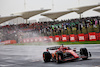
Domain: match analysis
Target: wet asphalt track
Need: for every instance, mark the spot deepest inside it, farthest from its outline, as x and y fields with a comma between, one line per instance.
x=31, y=56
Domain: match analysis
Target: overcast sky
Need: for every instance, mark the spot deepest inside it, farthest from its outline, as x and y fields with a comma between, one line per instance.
x=8, y=7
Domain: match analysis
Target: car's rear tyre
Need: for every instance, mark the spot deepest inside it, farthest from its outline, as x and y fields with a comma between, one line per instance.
x=59, y=57
x=46, y=56
x=83, y=51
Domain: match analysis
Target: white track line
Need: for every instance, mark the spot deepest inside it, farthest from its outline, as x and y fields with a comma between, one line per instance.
x=6, y=65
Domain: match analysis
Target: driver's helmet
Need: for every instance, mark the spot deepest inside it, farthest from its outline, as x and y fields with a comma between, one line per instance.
x=69, y=48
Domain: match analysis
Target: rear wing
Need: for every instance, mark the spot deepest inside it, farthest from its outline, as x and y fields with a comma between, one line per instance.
x=53, y=48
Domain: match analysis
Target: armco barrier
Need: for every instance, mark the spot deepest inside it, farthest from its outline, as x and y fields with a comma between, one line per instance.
x=9, y=42
x=13, y=41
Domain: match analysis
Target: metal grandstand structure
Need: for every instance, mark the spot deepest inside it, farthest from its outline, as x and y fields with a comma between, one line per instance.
x=54, y=15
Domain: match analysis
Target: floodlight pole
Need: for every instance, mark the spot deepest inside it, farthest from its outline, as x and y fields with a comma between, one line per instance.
x=17, y=21
x=26, y=21
x=80, y=16
x=79, y=23
x=79, y=27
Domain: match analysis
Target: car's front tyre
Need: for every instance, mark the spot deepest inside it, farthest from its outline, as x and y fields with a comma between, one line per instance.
x=46, y=56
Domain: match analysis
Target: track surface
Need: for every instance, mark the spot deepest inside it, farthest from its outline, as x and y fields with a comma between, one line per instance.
x=31, y=56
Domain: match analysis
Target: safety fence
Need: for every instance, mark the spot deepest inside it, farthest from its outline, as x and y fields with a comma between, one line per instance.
x=65, y=38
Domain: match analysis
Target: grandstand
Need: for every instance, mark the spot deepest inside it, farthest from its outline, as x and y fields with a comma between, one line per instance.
x=75, y=26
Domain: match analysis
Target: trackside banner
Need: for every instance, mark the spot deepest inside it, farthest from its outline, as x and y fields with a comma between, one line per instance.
x=92, y=36
x=81, y=37
x=57, y=38
x=64, y=38
x=72, y=38
x=51, y=38
x=37, y=39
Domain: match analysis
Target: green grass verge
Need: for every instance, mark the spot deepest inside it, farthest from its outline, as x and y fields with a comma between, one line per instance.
x=36, y=43
x=83, y=42
x=59, y=43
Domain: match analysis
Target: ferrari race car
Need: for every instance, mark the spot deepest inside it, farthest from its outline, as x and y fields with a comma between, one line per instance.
x=62, y=53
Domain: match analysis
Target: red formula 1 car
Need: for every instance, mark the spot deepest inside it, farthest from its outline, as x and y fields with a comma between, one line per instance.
x=62, y=53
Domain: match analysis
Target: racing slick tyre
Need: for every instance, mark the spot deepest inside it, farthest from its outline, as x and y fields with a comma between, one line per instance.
x=59, y=57
x=83, y=51
x=46, y=56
